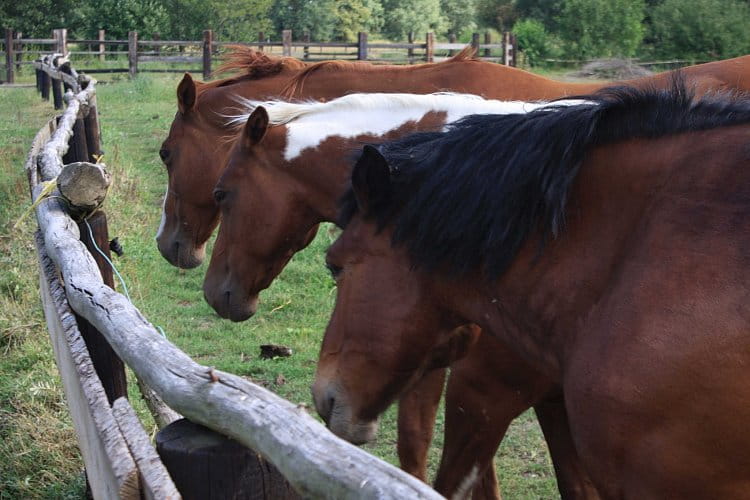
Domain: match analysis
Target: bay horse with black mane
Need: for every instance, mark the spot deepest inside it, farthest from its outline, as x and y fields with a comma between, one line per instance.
x=285, y=174
x=607, y=245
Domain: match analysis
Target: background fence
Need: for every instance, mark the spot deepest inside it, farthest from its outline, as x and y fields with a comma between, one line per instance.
x=92, y=328
x=198, y=55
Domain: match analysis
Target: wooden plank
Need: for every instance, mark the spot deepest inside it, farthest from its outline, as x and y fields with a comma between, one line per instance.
x=110, y=469
x=155, y=480
x=170, y=59
x=316, y=462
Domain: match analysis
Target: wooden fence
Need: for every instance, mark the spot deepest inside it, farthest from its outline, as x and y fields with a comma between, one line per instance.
x=200, y=54
x=92, y=327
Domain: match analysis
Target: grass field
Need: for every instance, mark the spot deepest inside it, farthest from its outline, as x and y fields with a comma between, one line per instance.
x=38, y=451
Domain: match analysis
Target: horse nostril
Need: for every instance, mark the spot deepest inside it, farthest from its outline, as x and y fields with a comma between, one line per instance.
x=164, y=155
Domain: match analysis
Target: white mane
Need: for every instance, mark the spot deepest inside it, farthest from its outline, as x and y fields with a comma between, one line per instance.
x=309, y=123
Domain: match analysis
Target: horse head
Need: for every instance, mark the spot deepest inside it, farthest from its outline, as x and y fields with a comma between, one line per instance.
x=387, y=328
x=254, y=242
x=193, y=160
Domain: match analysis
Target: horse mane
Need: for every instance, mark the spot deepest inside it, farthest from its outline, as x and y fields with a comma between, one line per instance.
x=252, y=65
x=281, y=112
x=468, y=198
x=296, y=83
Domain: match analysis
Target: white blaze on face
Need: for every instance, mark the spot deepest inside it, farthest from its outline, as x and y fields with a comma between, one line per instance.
x=163, y=215
x=309, y=124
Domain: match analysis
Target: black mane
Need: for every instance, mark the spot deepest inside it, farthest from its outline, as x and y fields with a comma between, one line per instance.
x=469, y=197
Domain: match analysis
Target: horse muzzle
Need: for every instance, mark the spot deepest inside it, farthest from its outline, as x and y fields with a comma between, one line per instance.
x=335, y=411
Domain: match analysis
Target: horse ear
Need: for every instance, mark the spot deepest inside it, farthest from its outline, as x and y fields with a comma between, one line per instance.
x=371, y=178
x=256, y=126
x=186, y=94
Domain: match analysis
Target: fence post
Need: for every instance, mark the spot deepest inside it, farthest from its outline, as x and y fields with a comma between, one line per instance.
x=475, y=43
x=19, y=50
x=61, y=35
x=509, y=49
x=430, y=47
x=101, y=45
x=206, y=465
x=410, y=51
x=45, y=85
x=451, y=39
x=286, y=40
x=261, y=39
x=57, y=94
x=362, y=46
x=208, y=38
x=133, y=53
x=157, y=48
x=487, y=41
x=9, y=55
x=306, y=48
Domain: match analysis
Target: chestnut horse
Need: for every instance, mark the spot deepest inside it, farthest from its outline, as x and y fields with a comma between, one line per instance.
x=297, y=161
x=194, y=151
x=606, y=245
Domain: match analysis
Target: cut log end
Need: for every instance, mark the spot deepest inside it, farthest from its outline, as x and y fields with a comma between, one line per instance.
x=84, y=185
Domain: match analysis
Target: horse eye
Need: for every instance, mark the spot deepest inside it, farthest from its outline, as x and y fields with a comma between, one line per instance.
x=164, y=155
x=333, y=269
x=219, y=195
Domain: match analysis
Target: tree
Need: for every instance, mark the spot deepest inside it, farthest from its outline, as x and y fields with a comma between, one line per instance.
x=419, y=16
x=597, y=28
x=328, y=19
x=120, y=16
x=37, y=18
x=460, y=16
x=499, y=14
x=533, y=40
x=700, y=30
x=544, y=11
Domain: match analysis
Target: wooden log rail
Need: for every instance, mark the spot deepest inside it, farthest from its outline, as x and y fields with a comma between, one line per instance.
x=317, y=463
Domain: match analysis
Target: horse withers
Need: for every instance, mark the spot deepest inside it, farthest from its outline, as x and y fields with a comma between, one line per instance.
x=606, y=245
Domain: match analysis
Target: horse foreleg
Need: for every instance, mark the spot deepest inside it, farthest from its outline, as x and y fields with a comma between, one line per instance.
x=572, y=480
x=416, y=420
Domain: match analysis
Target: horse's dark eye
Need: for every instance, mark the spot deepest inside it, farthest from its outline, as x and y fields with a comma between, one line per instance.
x=164, y=155
x=333, y=269
x=219, y=195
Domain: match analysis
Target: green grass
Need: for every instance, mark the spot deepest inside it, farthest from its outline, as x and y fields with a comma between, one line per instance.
x=38, y=453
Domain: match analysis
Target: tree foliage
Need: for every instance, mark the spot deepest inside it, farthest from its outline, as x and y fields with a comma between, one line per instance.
x=597, y=28
x=533, y=40
x=700, y=29
x=460, y=17
x=419, y=16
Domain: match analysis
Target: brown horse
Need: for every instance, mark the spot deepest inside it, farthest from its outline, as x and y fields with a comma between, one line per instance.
x=301, y=165
x=195, y=150
x=606, y=245
x=189, y=214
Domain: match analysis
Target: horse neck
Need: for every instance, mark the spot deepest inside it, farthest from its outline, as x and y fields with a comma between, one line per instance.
x=540, y=304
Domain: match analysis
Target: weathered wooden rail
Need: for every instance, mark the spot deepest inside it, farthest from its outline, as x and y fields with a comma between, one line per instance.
x=119, y=459
x=200, y=54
